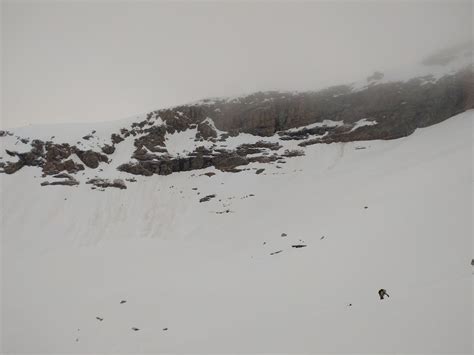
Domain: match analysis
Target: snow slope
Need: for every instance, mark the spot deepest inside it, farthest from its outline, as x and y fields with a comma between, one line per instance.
x=205, y=273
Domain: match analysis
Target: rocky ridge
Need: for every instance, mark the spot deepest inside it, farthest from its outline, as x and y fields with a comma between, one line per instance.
x=230, y=133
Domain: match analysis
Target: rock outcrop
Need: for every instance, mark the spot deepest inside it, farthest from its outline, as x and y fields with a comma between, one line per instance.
x=378, y=109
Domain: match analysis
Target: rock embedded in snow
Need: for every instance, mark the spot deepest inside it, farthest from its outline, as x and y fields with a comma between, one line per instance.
x=205, y=131
x=207, y=198
x=293, y=153
x=68, y=180
x=115, y=138
x=103, y=183
x=90, y=158
x=108, y=149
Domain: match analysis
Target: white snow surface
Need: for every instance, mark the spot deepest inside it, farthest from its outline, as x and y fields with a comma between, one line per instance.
x=363, y=123
x=324, y=123
x=71, y=254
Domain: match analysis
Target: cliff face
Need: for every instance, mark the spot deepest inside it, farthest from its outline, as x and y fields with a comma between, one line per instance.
x=269, y=126
x=402, y=106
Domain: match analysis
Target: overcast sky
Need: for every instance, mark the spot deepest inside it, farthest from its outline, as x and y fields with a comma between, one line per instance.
x=73, y=61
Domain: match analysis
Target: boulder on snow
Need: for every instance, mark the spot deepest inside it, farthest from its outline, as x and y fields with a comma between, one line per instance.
x=90, y=158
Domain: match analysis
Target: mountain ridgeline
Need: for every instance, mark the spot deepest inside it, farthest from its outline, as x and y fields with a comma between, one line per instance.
x=379, y=108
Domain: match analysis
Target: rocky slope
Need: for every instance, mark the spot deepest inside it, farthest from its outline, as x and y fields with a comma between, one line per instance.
x=270, y=243
x=211, y=262
x=264, y=127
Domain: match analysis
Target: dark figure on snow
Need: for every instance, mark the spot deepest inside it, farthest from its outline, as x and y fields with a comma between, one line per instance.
x=383, y=293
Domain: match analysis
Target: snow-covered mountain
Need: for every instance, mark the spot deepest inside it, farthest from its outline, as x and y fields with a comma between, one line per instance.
x=265, y=223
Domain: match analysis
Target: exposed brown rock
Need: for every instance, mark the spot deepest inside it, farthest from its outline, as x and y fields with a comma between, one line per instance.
x=68, y=180
x=115, y=138
x=104, y=183
x=90, y=158
x=154, y=140
x=293, y=153
x=108, y=149
x=205, y=131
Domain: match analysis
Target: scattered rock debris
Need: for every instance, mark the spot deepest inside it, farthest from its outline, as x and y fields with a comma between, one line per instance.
x=209, y=174
x=259, y=171
x=103, y=183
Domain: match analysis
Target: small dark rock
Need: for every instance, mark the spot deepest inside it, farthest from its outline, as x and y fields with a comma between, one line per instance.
x=276, y=252
x=108, y=149
x=207, y=198
x=293, y=153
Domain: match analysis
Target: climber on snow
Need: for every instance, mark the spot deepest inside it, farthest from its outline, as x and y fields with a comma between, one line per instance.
x=383, y=293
